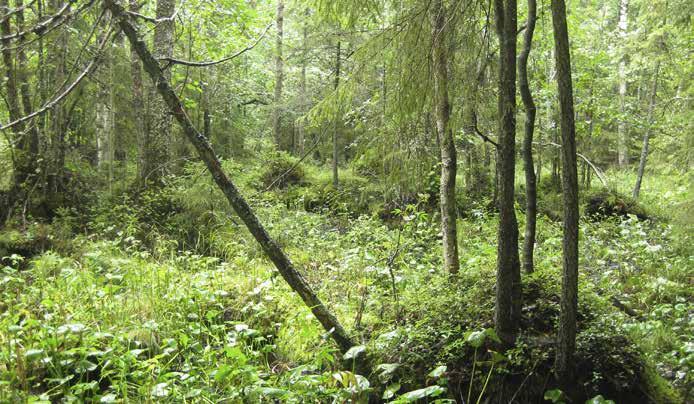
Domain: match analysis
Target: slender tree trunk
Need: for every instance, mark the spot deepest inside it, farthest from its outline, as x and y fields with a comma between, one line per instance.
x=647, y=134
x=529, y=167
x=622, y=130
x=159, y=129
x=32, y=144
x=120, y=126
x=104, y=112
x=57, y=120
x=508, y=287
x=279, y=79
x=138, y=104
x=301, y=136
x=566, y=344
x=22, y=163
x=243, y=210
x=336, y=180
x=442, y=111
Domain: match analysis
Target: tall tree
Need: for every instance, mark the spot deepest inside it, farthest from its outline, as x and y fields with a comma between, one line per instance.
x=528, y=166
x=303, y=98
x=338, y=58
x=279, y=78
x=566, y=344
x=104, y=111
x=158, y=132
x=508, y=287
x=138, y=104
x=622, y=129
x=442, y=110
x=32, y=142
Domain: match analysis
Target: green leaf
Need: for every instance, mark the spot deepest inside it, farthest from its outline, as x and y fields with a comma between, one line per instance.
x=354, y=351
x=599, y=400
x=554, y=395
x=476, y=338
x=32, y=354
x=390, y=391
x=438, y=372
x=160, y=390
x=387, y=370
x=222, y=373
x=412, y=396
x=108, y=398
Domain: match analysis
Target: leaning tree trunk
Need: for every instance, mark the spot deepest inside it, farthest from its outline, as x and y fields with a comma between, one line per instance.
x=447, y=145
x=566, y=344
x=285, y=267
x=528, y=166
x=647, y=134
x=508, y=287
x=622, y=130
x=279, y=79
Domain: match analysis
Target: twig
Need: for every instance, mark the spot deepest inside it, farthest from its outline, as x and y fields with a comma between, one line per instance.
x=152, y=19
x=68, y=90
x=485, y=137
x=14, y=11
x=40, y=27
x=598, y=172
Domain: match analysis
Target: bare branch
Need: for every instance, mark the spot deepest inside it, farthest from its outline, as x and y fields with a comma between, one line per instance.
x=485, y=137
x=172, y=61
x=152, y=19
x=598, y=172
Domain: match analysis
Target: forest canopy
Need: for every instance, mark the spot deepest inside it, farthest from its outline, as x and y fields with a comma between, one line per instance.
x=346, y=201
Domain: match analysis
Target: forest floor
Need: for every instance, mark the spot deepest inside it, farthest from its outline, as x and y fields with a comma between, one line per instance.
x=164, y=296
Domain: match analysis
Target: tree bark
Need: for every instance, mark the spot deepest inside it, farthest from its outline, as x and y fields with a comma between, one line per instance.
x=156, y=153
x=301, y=136
x=138, y=104
x=622, y=130
x=32, y=143
x=508, y=287
x=442, y=111
x=528, y=165
x=243, y=210
x=104, y=112
x=21, y=170
x=566, y=344
x=336, y=179
x=647, y=134
x=279, y=79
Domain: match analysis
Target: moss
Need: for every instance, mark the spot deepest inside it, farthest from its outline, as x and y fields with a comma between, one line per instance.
x=608, y=203
x=657, y=388
x=24, y=243
x=282, y=170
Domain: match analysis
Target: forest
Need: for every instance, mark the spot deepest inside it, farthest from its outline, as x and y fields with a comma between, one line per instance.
x=346, y=201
